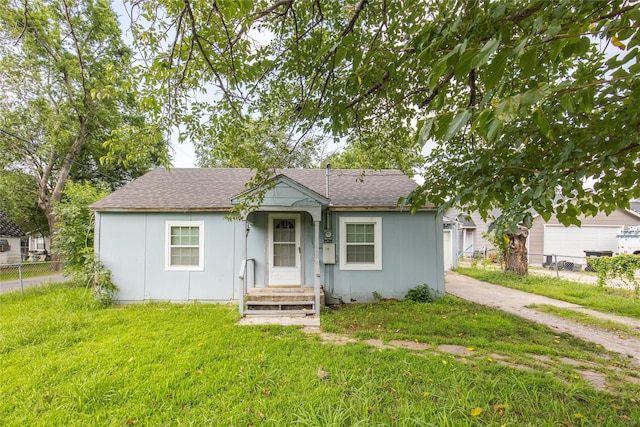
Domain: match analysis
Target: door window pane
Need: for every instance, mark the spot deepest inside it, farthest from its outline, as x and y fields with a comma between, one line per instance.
x=284, y=255
x=284, y=242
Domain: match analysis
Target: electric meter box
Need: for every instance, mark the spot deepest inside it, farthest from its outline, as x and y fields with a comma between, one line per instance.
x=329, y=253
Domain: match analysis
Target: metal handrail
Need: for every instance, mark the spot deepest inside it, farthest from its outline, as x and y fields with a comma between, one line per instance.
x=244, y=268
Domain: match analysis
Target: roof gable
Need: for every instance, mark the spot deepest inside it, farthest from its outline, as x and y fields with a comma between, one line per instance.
x=193, y=189
x=284, y=191
x=9, y=228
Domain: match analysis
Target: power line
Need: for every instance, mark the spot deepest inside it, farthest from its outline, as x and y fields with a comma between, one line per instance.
x=14, y=136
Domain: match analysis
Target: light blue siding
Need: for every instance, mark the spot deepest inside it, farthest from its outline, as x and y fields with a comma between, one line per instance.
x=285, y=195
x=411, y=256
x=132, y=246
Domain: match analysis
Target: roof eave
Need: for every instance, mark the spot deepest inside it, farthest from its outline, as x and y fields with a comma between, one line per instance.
x=162, y=209
x=379, y=208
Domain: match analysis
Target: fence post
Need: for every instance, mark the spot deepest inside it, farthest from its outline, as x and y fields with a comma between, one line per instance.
x=20, y=277
x=555, y=261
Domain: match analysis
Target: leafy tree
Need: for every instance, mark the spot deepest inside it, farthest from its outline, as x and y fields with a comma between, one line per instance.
x=19, y=200
x=254, y=142
x=517, y=100
x=378, y=150
x=68, y=98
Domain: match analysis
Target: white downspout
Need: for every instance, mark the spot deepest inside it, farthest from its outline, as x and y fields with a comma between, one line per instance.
x=316, y=266
x=243, y=267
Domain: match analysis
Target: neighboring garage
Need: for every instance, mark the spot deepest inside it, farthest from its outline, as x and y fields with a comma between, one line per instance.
x=596, y=234
x=573, y=241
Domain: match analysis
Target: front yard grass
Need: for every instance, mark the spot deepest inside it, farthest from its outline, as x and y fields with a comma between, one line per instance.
x=66, y=361
x=618, y=301
x=586, y=319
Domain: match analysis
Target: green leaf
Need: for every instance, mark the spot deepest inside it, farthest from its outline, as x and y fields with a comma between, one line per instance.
x=341, y=52
x=442, y=125
x=529, y=61
x=461, y=119
x=566, y=101
x=540, y=120
x=464, y=65
x=425, y=132
x=494, y=129
x=496, y=69
x=485, y=53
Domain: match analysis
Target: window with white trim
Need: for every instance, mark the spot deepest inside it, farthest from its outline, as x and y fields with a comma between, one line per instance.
x=184, y=243
x=361, y=243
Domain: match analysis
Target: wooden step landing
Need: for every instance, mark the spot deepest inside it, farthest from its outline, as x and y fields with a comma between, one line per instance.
x=281, y=302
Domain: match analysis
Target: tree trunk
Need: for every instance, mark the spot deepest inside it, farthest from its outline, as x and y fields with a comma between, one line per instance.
x=47, y=197
x=515, y=255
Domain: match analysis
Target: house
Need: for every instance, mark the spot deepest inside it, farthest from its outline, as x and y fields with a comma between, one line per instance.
x=11, y=238
x=39, y=245
x=596, y=234
x=471, y=232
x=547, y=238
x=340, y=233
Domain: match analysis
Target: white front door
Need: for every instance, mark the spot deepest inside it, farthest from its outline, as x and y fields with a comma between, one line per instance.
x=284, y=250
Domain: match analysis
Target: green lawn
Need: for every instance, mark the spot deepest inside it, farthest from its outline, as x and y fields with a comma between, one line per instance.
x=65, y=361
x=605, y=299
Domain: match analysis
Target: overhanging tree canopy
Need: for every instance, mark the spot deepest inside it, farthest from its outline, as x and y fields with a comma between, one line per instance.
x=69, y=107
x=520, y=99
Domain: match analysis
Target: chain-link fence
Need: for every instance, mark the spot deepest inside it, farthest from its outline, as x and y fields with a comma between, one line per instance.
x=26, y=274
x=556, y=262
x=570, y=267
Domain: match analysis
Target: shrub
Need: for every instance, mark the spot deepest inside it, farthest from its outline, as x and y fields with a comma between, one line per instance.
x=622, y=267
x=74, y=240
x=420, y=293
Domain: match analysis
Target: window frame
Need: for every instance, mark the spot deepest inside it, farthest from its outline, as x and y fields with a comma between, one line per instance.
x=377, y=243
x=168, y=246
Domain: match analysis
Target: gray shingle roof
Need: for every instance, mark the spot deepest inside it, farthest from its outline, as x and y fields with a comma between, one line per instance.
x=8, y=228
x=184, y=189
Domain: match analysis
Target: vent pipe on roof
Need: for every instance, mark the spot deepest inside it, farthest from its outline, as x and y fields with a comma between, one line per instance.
x=326, y=190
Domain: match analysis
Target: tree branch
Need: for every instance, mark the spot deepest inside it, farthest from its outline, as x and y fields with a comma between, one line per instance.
x=615, y=13
x=205, y=56
x=85, y=94
x=472, y=88
x=369, y=91
x=229, y=41
x=436, y=90
x=354, y=18
x=522, y=13
x=596, y=160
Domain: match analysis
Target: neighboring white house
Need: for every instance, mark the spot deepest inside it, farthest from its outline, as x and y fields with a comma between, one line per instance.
x=10, y=241
x=471, y=232
x=39, y=245
x=550, y=238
